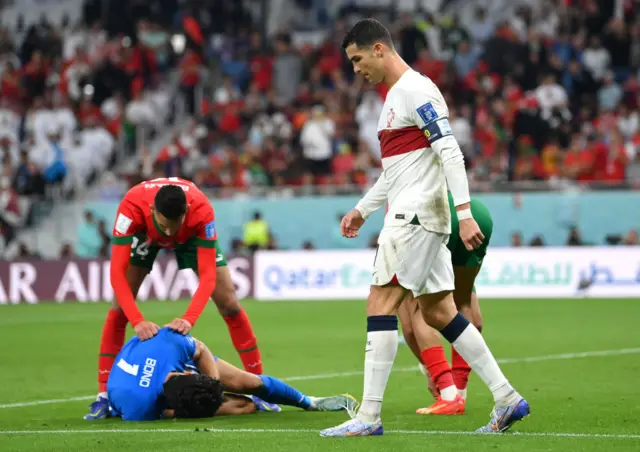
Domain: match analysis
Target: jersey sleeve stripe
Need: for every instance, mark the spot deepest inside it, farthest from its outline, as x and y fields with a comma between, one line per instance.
x=126, y=240
x=203, y=243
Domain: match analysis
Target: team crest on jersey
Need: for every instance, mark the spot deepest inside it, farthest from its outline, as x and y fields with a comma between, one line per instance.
x=210, y=230
x=390, y=117
x=427, y=113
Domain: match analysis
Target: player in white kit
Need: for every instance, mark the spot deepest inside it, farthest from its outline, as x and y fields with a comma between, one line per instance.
x=420, y=157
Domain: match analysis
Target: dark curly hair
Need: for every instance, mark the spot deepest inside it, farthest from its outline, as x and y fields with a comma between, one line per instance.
x=194, y=395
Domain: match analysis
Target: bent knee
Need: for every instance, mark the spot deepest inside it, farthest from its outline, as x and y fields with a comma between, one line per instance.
x=228, y=306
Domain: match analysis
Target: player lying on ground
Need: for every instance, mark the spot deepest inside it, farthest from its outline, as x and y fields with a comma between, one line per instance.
x=171, y=214
x=420, y=159
x=449, y=384
x=151, y=380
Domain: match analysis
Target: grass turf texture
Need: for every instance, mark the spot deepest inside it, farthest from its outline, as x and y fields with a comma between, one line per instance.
x=50, y=352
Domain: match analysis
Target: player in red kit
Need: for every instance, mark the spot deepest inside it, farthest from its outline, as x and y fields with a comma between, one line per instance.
x=172, y=214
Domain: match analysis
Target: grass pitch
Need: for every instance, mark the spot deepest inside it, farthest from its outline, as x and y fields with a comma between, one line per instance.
x=576, y=361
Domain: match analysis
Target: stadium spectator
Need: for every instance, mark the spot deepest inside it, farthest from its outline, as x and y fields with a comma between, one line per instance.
x=105, y=237
x=27, y=178
x=88, y=240
x=574, y=238
x=610, y=94
x=367, y=116
x=481, y=28
x=11, y=214
x=287, y=70
x=66, y=251
x=256, y=233
x=537, y=241
x=631, y=238
x=316, y=140
x=516, y=239
x=596, y=58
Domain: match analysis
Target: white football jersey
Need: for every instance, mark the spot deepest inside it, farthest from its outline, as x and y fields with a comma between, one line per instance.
x=414, y=115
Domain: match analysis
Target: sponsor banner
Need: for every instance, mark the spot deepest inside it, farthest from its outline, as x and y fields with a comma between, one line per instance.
x=506, y=272
x=39, y=281
x=560, y=272
x=312, y=275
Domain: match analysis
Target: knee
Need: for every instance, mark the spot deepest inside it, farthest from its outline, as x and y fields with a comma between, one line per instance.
x=384, y=300
x=438, y=314
x=227, y=304
x=248, y=384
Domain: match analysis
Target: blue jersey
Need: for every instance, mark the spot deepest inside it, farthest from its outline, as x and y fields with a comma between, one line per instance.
x=140, y=370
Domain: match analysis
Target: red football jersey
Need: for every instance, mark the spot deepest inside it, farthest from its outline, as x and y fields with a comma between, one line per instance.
x=135, y=216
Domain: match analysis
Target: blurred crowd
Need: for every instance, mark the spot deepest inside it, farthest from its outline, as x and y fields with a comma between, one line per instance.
x=75, y=97
x=549, y=94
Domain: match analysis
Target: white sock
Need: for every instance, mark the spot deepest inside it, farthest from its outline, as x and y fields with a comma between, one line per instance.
x=472, y=347
x=381, y=350
x=449, y=393
x=463, y=393
x=102, y=395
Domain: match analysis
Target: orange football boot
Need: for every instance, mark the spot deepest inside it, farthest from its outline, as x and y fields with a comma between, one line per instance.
x=445, y=407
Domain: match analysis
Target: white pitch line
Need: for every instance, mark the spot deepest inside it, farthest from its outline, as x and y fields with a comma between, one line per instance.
x=355, y=373
x=289, y=431
x=46, y=402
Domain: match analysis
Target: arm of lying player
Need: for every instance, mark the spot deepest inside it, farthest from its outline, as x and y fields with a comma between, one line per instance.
x=205, y=362
x=431, y=115
x=372, y=201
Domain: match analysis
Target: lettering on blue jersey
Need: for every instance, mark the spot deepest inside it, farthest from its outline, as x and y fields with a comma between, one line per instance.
x=147, y=372
x=210, y=230
x=427, y=113
x=437, y=129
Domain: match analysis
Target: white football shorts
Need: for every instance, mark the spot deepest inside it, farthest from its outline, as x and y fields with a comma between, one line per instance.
x=419, y=259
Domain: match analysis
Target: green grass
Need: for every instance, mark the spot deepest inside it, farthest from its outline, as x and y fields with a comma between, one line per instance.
x=50, y=352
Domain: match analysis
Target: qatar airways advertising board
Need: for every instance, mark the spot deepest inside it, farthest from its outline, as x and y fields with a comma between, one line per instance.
x=506, y=273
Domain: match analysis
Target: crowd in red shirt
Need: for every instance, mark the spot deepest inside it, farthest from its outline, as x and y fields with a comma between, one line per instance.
x=506, y=100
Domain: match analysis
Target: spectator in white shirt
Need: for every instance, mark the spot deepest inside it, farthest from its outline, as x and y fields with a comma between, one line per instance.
x=367, y=116
x=9, y=122
x=628, y=121
x=482, y=27
x=596, y=59
x=317, y=141
x=550, y=96
x=113, y=107
x=462, y=130
x=66, y=120
x=226, y=93
x=547, y=21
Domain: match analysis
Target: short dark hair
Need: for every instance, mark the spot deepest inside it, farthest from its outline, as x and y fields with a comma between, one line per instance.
x=171, y=202
x=366, y=33
x=193, y=395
